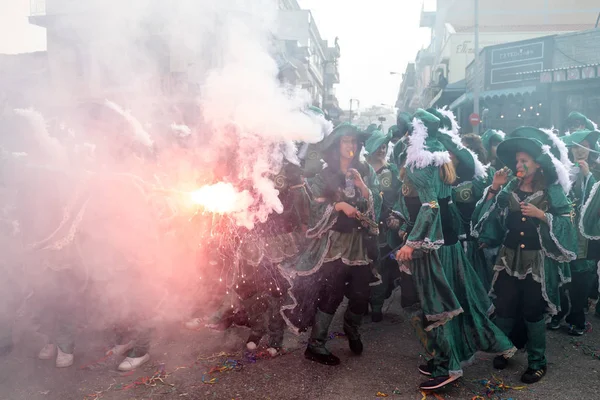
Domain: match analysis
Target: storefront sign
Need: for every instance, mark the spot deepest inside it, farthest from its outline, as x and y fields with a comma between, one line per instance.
x=508, y=64
x=573, y=74
x=588, y=72
x=560, y=76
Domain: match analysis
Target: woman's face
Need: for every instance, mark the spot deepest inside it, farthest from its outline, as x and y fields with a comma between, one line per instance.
x=526, y=167
x=581, y=152
x=348, y=147
x=381, y=152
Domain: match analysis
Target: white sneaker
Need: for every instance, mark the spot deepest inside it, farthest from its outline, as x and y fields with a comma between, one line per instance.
x=251, y=346
x=48, y=352
x=63, y=360
x=130, y=363
x=194, y=324
x=120, y=349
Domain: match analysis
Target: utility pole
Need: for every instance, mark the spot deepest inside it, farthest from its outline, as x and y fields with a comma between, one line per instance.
x=476, y=72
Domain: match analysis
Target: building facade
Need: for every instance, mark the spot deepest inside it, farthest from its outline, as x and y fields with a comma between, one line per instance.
x=440, y=70
x=84, y=55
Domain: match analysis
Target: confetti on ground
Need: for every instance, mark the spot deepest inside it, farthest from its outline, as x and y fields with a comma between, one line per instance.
x=494, y=387
x=381, y=394
x=587, y=349
x=334, y=335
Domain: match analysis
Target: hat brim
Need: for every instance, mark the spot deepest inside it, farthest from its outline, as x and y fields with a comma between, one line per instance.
x=371, y=146
x=577, y=137
x=336, y=135
x=508, y=149
x=465, y=158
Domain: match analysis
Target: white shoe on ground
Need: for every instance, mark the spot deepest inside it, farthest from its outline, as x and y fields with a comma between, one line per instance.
x=120, y=349
x=63, y=360
x=48, y=352
x=130, y=363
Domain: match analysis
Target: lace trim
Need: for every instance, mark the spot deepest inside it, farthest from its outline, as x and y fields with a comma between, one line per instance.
x=441, y=319
x=371, y=206
x=346, y=261
x=567, y=255
x=485, y=216
x=529, y=198
x=584, y=210
x=553, y=309
x=324, y=224
x=425, y=244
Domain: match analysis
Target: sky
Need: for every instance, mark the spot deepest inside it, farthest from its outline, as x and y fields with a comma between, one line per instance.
x=376, y=37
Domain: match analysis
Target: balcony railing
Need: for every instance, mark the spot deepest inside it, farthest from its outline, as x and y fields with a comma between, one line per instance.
x=37, y=7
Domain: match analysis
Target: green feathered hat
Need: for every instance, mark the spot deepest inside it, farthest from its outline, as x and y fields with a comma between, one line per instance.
x=541, y=148
x=448, y=136
x=579, y=118
x=424, y=149
x=490, y=136
x=316, y=111
x=376, y=140
x=371, y=128
x=344, y=129
x=394, y=132
x=576, y=138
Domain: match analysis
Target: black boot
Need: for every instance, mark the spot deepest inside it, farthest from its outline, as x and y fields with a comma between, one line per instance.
x=351, y=324
x=316, y=350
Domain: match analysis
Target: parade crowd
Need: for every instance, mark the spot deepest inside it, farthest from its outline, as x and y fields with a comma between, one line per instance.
x=490, y=240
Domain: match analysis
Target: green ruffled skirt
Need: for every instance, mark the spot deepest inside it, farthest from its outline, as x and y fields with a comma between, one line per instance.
x=455, y=343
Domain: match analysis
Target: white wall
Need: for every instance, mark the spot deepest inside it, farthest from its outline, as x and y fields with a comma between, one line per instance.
x=460, y=48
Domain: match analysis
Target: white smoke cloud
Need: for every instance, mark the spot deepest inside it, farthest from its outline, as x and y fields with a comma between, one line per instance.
x=122, y=207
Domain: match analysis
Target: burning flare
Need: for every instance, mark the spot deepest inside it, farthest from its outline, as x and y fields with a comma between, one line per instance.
x=221, y=198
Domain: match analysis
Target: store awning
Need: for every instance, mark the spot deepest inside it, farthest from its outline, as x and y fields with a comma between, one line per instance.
x=490, y=94
x=449, y=93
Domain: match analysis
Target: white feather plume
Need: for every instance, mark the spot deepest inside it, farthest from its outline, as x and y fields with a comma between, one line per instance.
x=561, y=146
x=500, y=133
x=561, y=170
x=448, y=113
x=417, y=155
x=480, y=169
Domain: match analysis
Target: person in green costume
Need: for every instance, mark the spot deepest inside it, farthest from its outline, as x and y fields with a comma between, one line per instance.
x=472, y=179
x=533, y=217
x=589, y=228
x=389, y=182
x=491, y=139
x=310, y=153
x=576, y=121
x=338, y=257
x=404, y=126
x=583, y=269
x=450, y=310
